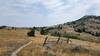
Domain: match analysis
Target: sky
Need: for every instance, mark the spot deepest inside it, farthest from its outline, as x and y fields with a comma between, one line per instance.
x=28, y=13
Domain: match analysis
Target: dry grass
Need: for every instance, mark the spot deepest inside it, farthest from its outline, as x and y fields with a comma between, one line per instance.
x=11, y=40
x=76, y=48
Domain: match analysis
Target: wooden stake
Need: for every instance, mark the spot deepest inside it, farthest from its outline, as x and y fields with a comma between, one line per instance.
x=45, y=40
x=58, y=40
x=67, y=40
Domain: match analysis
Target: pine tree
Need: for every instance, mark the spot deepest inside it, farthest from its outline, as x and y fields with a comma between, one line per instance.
x=32, y=32
x=43, y=31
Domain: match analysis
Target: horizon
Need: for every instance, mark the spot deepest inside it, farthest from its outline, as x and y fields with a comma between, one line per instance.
x=37, y=26
x=45, y=25
x=30, y=13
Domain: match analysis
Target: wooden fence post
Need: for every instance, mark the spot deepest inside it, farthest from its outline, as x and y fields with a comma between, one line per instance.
x=68, y=40
x=45, y=40
x=58, y=40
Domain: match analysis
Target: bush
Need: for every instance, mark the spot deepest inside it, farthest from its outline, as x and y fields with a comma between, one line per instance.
x=55, y=34
x=31, y=33
x=43, y=31
x=71, y=36
x=80, y=29
x=98, y=33
x=2, y=27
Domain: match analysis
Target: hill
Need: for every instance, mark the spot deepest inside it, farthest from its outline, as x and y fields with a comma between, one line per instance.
x=87, y=24
x=85, y=28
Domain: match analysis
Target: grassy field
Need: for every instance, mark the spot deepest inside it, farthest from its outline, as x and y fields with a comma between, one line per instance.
x=10, y=40
x=76, y=48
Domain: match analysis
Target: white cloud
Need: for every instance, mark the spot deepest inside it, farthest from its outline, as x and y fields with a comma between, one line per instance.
x=51, y=4
x=28, y=1
x=50, y=11
x=97, y=11
x=95, y=1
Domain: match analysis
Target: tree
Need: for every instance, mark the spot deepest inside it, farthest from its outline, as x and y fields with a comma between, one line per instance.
x=43, y=31
x=60, y=27
x=32, y=32
x=2, y=27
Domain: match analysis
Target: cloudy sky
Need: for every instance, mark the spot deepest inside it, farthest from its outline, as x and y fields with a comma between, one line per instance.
x=45, y=12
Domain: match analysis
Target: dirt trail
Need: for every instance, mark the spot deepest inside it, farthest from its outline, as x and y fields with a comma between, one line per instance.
x=19, y=49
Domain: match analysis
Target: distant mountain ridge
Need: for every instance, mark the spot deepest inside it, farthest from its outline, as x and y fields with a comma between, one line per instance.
x=10, y=27
x=87, y=24
x=86, y=18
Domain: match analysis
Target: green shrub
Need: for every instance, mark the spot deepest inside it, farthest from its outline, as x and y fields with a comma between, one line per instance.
x=71, y=36
x=31, y=33
x=2, y=27
x=43, y=31
x=56, y=34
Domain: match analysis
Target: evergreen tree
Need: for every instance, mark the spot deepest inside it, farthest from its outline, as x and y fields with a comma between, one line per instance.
x=43, y=31
x=32, y=32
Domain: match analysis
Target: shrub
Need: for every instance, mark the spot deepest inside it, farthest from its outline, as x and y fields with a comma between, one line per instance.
x=31, y=33
x=43, y=31
x=97, y=33
x=56, y=34
x=71, y=36
x=80, y=29
x=2, y=27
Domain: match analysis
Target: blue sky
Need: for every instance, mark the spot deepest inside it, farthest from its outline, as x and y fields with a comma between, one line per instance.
x=45, y=12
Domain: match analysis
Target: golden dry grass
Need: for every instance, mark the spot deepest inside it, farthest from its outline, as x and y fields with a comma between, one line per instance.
x=10, y=40
x=76, y=48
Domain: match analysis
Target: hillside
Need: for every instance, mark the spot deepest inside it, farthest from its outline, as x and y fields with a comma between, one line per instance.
x=85, y=28
x=87, y=24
